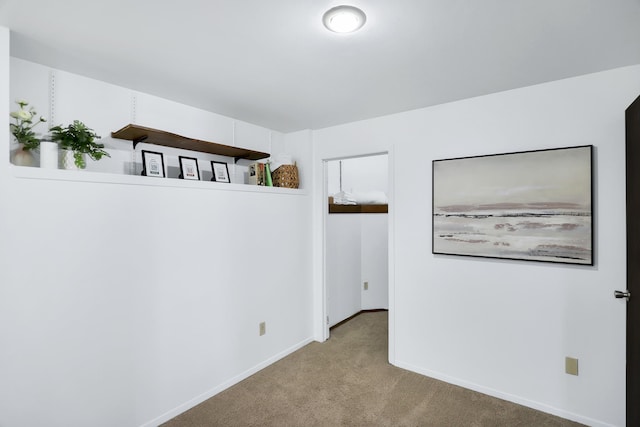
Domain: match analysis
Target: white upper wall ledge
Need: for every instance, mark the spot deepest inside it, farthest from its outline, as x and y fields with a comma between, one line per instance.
x=109, y=178
x=62, y=97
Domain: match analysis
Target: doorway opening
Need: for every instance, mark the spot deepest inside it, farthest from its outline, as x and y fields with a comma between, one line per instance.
x=356, y=237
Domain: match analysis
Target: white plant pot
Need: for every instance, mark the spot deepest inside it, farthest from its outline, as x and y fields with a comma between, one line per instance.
x=23, y=157
x=67, y=161
x=49, y=155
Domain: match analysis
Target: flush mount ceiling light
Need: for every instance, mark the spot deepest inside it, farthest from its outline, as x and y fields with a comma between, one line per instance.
x=344, y=19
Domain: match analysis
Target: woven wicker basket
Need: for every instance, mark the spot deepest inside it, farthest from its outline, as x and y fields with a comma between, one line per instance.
x=286, y=176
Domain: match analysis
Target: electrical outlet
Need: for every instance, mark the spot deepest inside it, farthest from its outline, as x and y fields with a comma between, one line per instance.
x=263, y=328
x=571, y=365
x=366, y=286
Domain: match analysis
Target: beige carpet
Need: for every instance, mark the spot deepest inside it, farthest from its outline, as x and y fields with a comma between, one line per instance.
x=347, y=381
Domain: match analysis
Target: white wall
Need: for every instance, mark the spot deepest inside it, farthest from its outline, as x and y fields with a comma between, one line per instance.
x=360, y=174
x=374, y=261
x=505, y=327
x=344, y=270
x=126, y=301
x=357, y=252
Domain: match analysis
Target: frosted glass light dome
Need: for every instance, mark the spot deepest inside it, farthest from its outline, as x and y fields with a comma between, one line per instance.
x=344, y=19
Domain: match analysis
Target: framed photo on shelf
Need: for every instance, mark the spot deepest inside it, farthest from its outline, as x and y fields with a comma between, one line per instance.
x=152, y=164
x=220, y=172
x=189, y=168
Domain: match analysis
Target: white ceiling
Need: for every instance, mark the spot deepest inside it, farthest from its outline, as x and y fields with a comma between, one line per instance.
x=271, y=63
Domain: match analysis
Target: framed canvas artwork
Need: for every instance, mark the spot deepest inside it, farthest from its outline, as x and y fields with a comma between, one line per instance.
x=533, y=205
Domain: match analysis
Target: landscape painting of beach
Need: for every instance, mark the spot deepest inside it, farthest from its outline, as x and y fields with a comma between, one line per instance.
x=534, y=205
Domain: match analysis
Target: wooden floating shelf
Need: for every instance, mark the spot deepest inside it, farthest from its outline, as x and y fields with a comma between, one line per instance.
x=139, y=134
x=334, y=208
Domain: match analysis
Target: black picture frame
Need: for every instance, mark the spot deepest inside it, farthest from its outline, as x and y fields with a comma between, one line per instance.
x=153, y=164
x=529, y=205
x=189, y=169
x=220, y=172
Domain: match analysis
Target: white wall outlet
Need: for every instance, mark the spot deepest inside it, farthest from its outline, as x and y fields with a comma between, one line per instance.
x=263, y=328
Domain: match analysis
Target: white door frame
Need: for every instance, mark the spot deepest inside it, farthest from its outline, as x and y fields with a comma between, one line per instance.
x=321, y=306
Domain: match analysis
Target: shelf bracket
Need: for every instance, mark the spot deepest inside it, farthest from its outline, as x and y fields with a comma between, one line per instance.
x=235, y=159
x=138, y=140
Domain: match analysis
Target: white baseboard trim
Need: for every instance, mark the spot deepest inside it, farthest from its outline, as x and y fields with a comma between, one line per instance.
x=210, y=393
x=504, y=396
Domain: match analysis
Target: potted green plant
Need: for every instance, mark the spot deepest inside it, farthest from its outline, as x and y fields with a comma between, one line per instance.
x=22, y=131
x=79, y=141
